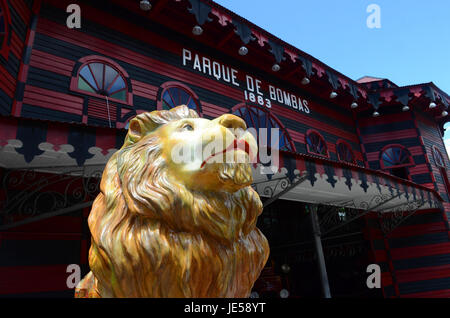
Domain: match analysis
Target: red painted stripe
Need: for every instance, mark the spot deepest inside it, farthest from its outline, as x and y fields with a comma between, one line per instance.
x=83, y=40
x=99, y=109
x=144, y=89
x=16, y=45
x=313, y=123
x=8, y=131
x=23, y=69
x=219, y=109
x=75, y=37
x=419, y=251
x=124, y=111
x=411, y=230
x=426, y=133
x=51, y=63
x=444, y=293
x=386, y=118
x=415, y=151
x=24, y=74
x=358, y=155
x=136, y=32
x=23, y=10
x=390, y=135
x=57, y=135
x=386, y=279
x=420, y=212
x=301, y=165
x=380, y=256
x=213, y=110
x=27, y=279
x=320, y=169
x=419, y=169
x=334, y=114
x=122, y=25
x=338, y=172
x=105, y=139
x=331, y=147
x=296, y=136
x=424, y=273
x=7, y=82
x=53, y=100
x=442, y=188
x=428, y=185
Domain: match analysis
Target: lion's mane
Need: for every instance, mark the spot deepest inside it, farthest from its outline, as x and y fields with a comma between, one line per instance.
x=153, y=237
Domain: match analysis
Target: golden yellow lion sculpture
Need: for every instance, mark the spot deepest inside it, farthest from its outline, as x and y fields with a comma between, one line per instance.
x=162, y=228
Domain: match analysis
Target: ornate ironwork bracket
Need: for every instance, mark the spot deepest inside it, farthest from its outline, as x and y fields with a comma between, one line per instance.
x=334, y=218
x=390, y=222
x=47, y=215
x=279, y=187
x=40, y=193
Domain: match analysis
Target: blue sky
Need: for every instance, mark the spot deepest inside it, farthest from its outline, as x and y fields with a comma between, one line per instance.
x=411, y=47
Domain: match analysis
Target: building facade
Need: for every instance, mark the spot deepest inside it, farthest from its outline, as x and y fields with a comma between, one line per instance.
x=365, y=157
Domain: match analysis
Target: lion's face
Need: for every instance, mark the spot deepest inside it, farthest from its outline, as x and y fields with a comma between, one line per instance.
x=208, y=155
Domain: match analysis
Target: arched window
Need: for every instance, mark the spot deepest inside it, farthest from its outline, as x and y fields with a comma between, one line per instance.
x=395, y=156
x=440, y=163
x=5, y=22
x=438, y=159
x=344, y=152
x=102, y=79
x=396, y=159
x=99, y=76
x=257, y=118
x=316, y=144
x=175, y=94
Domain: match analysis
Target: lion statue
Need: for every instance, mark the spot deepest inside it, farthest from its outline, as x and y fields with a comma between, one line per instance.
x=165, y=228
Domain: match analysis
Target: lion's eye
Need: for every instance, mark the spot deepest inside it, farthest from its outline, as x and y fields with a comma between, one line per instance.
x=188, y=127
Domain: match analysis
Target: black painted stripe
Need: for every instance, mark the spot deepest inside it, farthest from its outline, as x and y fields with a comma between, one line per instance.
x=5, y=103
x=420, y=240
x=48, y=114
x=377, y=146
x=424, y=261
x=424, y=286
x=39, y=252
x=52, y=294
x=375, y=129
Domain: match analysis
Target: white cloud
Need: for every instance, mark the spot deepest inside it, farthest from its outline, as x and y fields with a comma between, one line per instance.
x=447, y=137
x=447, y=144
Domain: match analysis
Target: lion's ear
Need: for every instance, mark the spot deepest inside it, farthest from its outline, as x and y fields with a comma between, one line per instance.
x=140, y=126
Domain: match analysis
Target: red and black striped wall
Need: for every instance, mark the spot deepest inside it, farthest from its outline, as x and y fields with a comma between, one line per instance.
x=431, y=137
x=18, y=18
x=150, y=62
x=394, y=127
x=414, y=257
x=35, y=256
x=45, y=56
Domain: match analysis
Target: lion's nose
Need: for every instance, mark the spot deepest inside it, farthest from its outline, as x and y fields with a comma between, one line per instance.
x=231, y=121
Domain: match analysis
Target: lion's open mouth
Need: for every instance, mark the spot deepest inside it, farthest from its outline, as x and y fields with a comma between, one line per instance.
x=235, y=145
